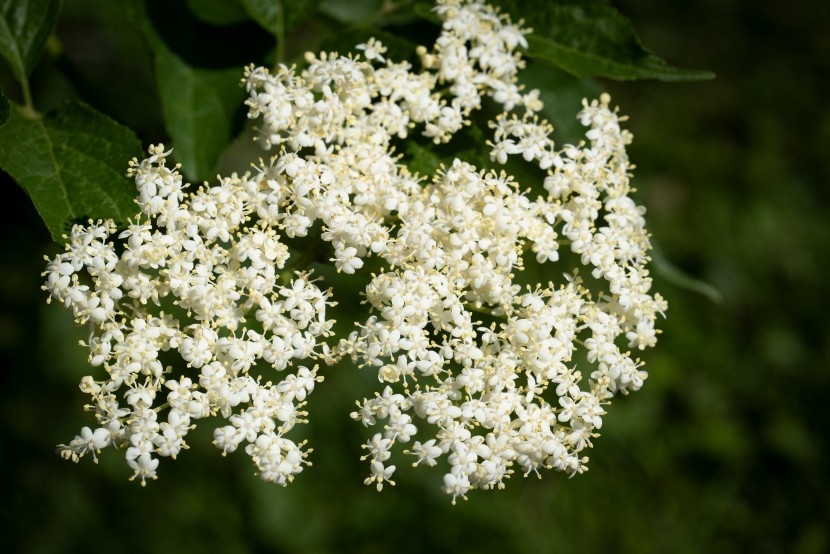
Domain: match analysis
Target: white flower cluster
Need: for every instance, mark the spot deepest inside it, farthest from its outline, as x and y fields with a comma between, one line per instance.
x=476, y=365
x=208, y=258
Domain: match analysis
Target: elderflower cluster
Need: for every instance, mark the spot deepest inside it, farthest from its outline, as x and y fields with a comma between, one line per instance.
x=474, y=352
x=194, y=281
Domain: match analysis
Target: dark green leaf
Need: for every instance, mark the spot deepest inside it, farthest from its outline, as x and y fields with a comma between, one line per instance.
x=349, y=11
x=5, y=108
x=421, y=159
x=218, y=12
x=580, y=2
x=425, y=157
x=587, y=39
x=277, y=16
x=198, y=104
x=199, y=44
x=198, y=110
x=72, y=163
x=24, y=27
x=596, y=40
x=468, y=144
x=137, y=13
x=424, y=10
x=562, y=94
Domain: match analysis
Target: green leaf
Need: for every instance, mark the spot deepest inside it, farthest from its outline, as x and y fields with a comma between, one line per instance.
x=424, y=11
x=596, y=40
x=276, y=16
x=218, y=12
x=72, y=163
x=349, y=11
x=421, y=159
x=587, y=38
x=5, y=108
x=562, y=94
x=198, y=108
x=24, y=27
x=198, y=104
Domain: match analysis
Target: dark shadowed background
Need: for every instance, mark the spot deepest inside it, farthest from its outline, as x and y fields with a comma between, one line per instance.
x=724, y=449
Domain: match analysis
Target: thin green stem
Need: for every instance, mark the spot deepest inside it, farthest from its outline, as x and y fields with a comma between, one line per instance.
x=28, y=105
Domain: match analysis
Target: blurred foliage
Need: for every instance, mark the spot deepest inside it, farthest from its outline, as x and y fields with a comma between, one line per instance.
x=723, y=450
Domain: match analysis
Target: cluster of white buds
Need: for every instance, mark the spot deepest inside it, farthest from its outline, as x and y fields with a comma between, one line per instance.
x=476, y=361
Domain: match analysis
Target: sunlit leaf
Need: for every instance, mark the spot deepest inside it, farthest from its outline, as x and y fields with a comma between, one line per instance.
x=72, y=163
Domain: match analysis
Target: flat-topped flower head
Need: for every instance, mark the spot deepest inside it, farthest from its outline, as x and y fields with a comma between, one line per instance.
x=476, y=359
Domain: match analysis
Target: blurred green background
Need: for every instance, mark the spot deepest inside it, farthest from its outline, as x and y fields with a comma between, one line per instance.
x=725, y=448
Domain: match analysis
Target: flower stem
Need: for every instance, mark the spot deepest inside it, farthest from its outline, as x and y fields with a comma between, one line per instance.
x=28, y=106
